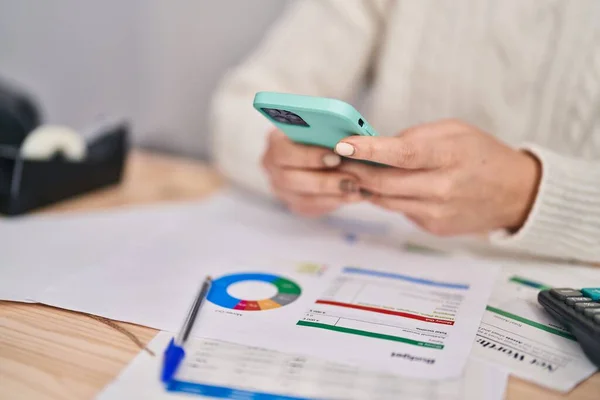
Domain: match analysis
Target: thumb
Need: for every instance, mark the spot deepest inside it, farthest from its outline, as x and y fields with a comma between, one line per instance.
x=395, y=151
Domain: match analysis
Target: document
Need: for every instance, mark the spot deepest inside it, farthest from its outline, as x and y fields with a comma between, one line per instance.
x=518, y=334
x=218, y=369
x=43, y=251
x=405, y=314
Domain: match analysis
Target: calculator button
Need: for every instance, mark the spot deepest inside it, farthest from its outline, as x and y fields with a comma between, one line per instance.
x=584, y=306
x=593, y=293
x=572, y=300
x=563, y=293
x=591, y=312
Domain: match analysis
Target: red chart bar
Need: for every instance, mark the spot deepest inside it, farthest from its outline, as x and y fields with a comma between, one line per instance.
x=247, y=305
x=389, y=312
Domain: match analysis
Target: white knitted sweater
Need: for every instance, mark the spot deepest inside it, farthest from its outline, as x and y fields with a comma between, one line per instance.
x=526, y=71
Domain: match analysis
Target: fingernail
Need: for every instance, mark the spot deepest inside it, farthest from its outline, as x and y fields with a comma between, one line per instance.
x=331, y=160
x=348, y=186
x=365, y=193
x=344, y=149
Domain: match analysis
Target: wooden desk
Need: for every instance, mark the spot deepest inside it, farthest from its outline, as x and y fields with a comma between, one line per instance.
x=48, y=353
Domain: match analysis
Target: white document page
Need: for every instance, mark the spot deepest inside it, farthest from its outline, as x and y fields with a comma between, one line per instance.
x=518, y=334
x=42, y=251
x=405, y=314
x=224, y=370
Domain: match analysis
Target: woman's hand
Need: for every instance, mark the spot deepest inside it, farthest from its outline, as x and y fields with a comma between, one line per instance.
x=448, y=177
x=305, y=178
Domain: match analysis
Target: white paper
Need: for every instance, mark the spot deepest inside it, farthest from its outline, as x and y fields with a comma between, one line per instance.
x=518, y=334
x=405, y=314
x=39, y=252
x=235, y=371
x=153, y=286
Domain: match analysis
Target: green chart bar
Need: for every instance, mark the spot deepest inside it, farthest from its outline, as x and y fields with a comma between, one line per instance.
x=530, y=323
x=371, y=334
x=528, y=282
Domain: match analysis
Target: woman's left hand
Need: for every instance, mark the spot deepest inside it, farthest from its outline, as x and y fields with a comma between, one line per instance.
x=448, y=177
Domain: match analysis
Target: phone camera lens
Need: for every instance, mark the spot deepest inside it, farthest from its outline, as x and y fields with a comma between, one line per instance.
x=271, y=112
x=285, y=117
x=361, y=122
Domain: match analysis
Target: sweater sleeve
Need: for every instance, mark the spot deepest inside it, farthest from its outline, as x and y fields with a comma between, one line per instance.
x=564, y=221
x=319, y=48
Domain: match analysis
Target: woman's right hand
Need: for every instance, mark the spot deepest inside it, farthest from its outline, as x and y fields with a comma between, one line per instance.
x=306, y=178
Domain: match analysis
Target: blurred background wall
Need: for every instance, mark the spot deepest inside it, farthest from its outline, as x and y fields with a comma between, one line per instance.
x=153, y=61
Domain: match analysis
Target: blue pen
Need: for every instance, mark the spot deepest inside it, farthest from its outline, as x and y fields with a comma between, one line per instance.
x=175, y=353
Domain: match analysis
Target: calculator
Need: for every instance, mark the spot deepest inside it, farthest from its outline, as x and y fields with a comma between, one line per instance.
x=579, y=311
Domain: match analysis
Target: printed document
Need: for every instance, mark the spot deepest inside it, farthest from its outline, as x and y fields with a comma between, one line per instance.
x=405, y=314
x=518, y=334
x=222, y=370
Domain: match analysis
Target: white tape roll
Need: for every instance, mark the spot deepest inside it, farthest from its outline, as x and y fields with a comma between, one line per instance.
x=47, y=140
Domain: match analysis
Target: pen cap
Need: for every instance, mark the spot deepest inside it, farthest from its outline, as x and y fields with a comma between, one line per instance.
x=172, y=358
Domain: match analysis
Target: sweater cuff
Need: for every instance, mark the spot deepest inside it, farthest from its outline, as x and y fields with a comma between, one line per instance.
x=565, y=218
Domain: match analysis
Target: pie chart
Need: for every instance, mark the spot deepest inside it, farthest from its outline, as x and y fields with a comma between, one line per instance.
x=286, y=292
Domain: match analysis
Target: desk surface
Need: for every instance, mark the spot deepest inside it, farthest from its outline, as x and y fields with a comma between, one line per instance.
x=48, y=353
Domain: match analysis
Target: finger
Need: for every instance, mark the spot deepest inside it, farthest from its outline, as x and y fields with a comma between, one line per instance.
x=314, y=182
x=397, y=151
x=310, y=205
x=394, y=182
x=285, y=153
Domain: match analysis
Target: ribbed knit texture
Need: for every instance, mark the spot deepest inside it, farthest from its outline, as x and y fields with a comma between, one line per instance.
x=565, y=219
x=526, y=71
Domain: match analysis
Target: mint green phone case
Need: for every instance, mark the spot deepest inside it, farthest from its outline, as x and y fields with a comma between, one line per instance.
x=317, y=121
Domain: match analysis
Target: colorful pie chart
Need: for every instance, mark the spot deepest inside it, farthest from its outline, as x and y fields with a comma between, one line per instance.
x=287, y=292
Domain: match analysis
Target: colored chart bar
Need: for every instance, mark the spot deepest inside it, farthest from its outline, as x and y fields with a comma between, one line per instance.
x=268, y=304
x=370, y=334
x=222, y=392
x=283, y=298
x=287, y=286
x=388, y=312
x=412, y=279
x=530, y=322
x=527, y=282
x=247, y=305
x=219, y=296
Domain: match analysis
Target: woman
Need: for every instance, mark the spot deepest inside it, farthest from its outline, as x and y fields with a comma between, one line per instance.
x=490, y=108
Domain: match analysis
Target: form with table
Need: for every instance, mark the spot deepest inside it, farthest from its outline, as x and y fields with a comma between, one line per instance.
x=52, y=353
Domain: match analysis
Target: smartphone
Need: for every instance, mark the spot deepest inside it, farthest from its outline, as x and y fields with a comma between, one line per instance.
x=310, y=120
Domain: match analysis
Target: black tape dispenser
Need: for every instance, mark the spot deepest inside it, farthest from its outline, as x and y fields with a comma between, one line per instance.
x=43, y=164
